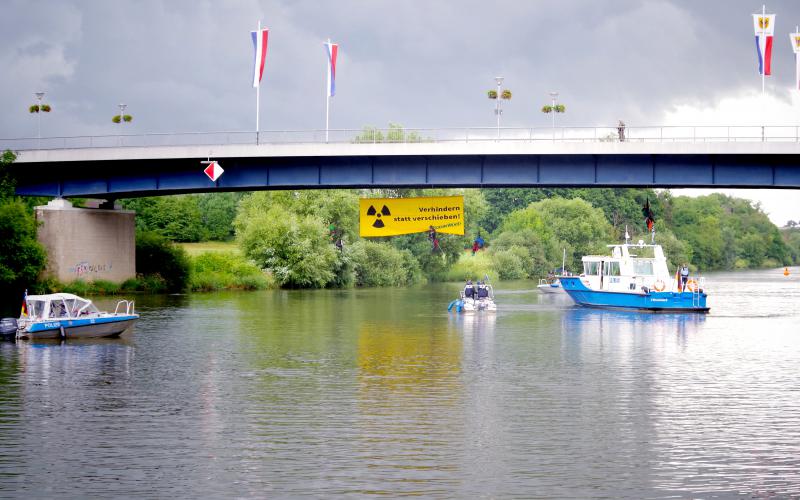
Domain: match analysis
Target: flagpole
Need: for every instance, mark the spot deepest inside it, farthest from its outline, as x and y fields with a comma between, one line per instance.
x=258, y=87
x=329, y=52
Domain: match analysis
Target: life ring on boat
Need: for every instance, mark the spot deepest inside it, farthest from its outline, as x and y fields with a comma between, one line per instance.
x=659, y=286
x=691, y=285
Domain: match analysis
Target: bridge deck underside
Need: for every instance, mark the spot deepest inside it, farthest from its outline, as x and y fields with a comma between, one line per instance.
x=131, y=178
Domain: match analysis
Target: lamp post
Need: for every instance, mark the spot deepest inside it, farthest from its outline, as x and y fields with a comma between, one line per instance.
x=554, y=98
x=553, y=109
x=39, y=97
x=39, y=108
x=497, y=95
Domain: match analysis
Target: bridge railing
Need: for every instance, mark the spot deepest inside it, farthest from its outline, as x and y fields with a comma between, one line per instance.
x=368, y=135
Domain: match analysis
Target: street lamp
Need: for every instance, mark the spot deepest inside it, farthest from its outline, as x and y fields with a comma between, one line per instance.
x=497, y=95
x=39, y=108
x=121, y=117
x=553, y=109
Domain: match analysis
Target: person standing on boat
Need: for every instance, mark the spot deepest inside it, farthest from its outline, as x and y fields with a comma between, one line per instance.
x=684, y=271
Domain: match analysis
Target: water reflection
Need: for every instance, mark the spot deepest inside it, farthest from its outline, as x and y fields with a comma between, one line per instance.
x=382, y=392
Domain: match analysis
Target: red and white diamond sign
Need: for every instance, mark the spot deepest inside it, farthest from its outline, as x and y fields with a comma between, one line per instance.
x=213, y=170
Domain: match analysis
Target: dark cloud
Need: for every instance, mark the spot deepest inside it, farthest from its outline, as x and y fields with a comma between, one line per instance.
x=185, y=65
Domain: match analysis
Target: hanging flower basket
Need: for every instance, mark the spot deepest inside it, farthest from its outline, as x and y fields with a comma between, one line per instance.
x=547, y=109
x=127, y=118
x=560, y=108
x=116, y=119
x=492, y=94
x=506, y=94
x=34, y=108
x=46, y=108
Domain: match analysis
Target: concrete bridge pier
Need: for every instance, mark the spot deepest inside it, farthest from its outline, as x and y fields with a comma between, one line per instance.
x=87, y=243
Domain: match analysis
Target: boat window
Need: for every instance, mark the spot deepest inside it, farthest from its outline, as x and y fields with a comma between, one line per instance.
x=643, y=267
x=58, y=309
x=611, y=268
x=35, y=308
x=590, y=268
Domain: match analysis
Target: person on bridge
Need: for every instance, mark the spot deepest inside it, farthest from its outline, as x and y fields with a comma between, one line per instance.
x=621, y=131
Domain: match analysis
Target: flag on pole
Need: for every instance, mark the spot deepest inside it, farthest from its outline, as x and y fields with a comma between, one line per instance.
x=764, y=25
x=332, y=49
x=795, y=39
x=23, y=313
x=260, y=55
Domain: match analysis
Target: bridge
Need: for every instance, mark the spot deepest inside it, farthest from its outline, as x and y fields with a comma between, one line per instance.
x=122, y=166
x=99, y=244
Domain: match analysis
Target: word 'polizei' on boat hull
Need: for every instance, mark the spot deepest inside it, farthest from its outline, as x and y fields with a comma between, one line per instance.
x=633, y=277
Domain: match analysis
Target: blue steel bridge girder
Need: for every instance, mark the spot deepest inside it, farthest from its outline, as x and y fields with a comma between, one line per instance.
x=154, y=177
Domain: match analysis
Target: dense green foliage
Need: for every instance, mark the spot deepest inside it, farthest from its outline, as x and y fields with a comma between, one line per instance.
x=791, y=236
x=162, y=261
x=727, y=233
x=187, y=218
x=531, y=240
x=22, y=257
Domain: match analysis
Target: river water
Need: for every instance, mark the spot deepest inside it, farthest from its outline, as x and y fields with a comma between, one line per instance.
x=382, y=392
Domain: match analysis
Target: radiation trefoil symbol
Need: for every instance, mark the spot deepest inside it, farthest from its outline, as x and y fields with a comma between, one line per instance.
x=372, y=212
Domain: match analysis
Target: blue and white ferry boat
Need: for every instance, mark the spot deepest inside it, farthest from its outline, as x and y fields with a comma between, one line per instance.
x=633, y=277
x=66, y=316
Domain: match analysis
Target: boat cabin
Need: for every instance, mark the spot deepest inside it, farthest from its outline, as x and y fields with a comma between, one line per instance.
x=58, y=305
x=629, y=267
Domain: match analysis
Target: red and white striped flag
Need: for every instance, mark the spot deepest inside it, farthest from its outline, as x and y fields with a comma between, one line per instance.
x=332, y=50
x=764, y=25
x=260, y=55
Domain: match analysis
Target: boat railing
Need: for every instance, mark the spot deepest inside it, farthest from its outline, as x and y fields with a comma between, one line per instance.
x=129, y=307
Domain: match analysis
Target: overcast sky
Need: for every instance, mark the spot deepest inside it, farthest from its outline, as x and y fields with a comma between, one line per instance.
x=185, y=66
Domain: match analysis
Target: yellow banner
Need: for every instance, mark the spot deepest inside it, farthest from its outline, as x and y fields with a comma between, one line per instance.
x=393, y=216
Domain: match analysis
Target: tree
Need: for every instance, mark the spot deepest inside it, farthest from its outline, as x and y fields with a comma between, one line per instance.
x=7, y=183
x=22, y=257
x=293, y=247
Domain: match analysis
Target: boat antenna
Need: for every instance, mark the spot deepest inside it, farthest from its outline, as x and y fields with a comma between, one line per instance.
x=627, y=236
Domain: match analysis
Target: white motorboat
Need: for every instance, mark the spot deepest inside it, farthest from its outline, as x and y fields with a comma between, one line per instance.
x=549, y=286
x=474, y=297
x=66, y=316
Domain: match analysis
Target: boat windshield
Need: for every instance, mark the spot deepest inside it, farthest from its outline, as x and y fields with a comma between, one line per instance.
x=611, y=268
x=83, y=307
x=642, y=267
x=591, y=268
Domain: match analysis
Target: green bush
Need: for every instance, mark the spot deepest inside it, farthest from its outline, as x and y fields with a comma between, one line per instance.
x=472, y=267
x=509, y=265
x=156, y=256
x=379, y=264
x=294, y=248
